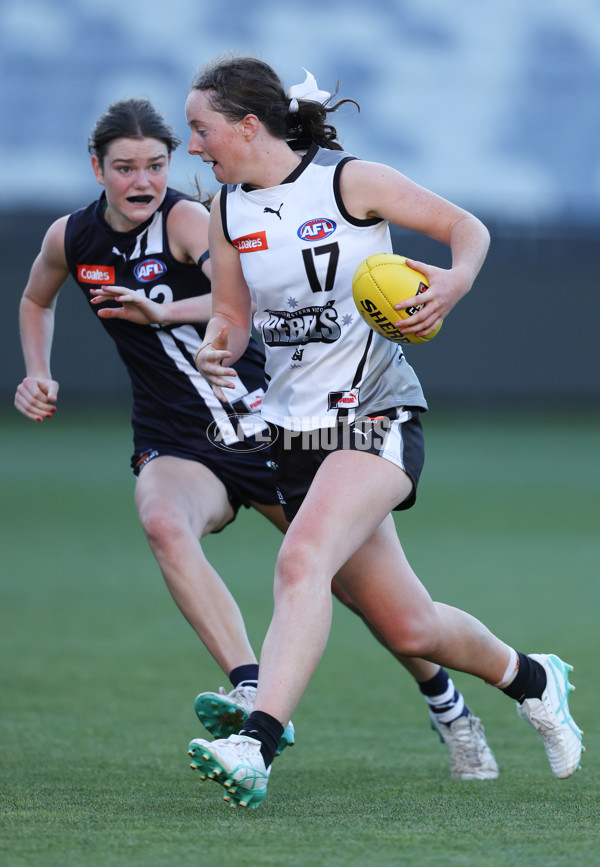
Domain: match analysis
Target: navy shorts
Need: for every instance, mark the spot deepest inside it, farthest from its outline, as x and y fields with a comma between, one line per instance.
x=394, y=434
x=246, y=474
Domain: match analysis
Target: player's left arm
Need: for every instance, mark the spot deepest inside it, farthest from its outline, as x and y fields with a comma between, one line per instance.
x=376, y=190
x=187, y=229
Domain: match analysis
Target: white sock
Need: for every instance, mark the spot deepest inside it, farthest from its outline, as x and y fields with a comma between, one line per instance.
x=511, y=671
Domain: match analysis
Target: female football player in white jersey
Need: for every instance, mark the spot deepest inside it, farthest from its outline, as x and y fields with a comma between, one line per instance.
x=293, y=220
x=146, y=246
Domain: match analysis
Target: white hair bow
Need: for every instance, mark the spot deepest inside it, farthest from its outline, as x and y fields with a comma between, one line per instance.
x=309, y=89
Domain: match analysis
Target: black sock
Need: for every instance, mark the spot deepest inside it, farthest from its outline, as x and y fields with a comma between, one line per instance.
x=530, y=680
x=244, y=675
x=266, y=729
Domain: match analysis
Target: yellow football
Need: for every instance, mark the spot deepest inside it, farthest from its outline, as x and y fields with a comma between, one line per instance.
x=381, y=281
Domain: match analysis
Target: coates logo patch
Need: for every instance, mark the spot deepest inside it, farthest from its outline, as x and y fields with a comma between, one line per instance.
x=251, y=243
x=316, y=230
x=149, y=270
x=101, y=274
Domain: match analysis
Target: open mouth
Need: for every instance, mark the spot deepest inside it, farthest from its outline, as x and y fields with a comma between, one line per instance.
x=140, y=200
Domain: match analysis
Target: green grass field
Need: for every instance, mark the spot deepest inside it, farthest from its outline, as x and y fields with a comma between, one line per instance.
x=98, y=670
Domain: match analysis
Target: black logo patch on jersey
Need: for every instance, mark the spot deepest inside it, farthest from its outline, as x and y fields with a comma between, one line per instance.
x=343, y=399
x=296, y=327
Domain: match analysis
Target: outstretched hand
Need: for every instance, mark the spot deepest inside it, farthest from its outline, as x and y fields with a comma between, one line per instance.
x=209, y=361
x=136, y=306
x=36, y=398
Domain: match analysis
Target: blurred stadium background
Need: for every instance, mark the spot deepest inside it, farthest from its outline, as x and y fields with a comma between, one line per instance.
x=493, y=105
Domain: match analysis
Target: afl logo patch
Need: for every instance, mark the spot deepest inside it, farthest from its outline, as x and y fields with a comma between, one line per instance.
x=149, y=270
x=316, y=230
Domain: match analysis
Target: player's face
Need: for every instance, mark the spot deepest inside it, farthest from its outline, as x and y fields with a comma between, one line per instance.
x=134, y=174
x=215, y=139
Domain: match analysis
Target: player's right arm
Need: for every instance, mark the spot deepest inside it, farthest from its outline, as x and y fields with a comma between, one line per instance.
x=36, y=395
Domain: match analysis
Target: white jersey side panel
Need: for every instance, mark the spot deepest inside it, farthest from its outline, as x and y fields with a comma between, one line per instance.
x=299, y=252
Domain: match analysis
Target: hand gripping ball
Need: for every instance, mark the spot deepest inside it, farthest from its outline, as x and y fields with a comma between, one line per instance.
x=381, y=281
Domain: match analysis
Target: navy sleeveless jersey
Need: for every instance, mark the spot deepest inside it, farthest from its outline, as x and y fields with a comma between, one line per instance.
x=172, y=403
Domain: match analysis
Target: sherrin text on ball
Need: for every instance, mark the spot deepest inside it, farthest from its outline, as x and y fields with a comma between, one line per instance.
x=380, y=282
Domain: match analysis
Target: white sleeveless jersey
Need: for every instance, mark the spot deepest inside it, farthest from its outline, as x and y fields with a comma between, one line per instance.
x=299, y=249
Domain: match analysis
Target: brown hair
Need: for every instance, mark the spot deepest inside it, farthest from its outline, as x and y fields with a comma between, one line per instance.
x=239, y=86
x=131, y=118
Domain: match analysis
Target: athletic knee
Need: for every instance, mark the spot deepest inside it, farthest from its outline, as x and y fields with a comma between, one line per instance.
x=162, y=527
x=296, y=564
x=412, y=643
x=413, y=637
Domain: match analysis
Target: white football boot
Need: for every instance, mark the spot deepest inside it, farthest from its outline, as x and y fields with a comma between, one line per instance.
x=224, y=713
x=550, y=717
x=470, y=756
x=237, y=764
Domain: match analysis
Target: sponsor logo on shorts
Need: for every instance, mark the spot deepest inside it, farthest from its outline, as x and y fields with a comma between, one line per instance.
x=251, y=243
x=145, y=458
x=316, y=229
x=149, y=270
x=98, y=274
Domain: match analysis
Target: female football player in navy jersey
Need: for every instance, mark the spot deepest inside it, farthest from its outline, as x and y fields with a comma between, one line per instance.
x=294, y=218
x=153, y=240
x=139, y=254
